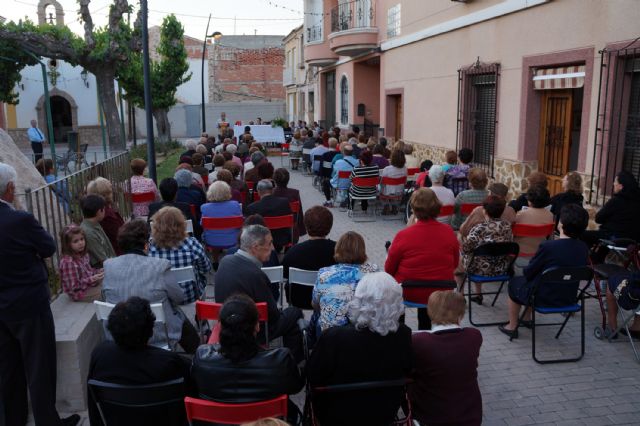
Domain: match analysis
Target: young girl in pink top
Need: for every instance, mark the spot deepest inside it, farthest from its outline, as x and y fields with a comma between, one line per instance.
x=79, y=280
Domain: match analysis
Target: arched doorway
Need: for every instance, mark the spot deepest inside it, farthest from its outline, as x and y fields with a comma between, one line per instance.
x=61, y=118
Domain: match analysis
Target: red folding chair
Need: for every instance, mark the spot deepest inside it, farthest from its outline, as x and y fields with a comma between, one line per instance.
x=205, y=179
x=446, y=211
x=211, y=311
x=281, y=222
x=220, y=224
x=344, y=174
x=219, y=412
x=392, y=182
x=365, y=183
x=143, y=197
x=194, y=212
x=528, y=230
x=467, y=208
x=412, y=172
x=295, y=207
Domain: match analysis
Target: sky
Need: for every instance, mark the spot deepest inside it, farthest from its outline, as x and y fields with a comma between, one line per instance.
x=264, y=17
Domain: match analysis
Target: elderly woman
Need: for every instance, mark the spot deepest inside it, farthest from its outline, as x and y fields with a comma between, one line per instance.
x=378, y=157
x=618, y=218
x=567, y=250
x=295, y=150
x=335, y=284
x=444, y=194
x=237, y=183
x=220, y=204
x=225, y=176
x=373, y=346
x=264, y=373
x=198, y=166
x=112, y=221
x=130, y=360
x=364, y=170
x=427, y=250
x=187, y=192
x=281, y=178
x=492, y=230
x=572, y=194
x=191, y=146
x=478, y=182
x=445, y=372
x=136, y=274
x=534, y=179
x=141, y=185
x=204, y=151
x=170, y=241
x=397, y=169
x=536, y=214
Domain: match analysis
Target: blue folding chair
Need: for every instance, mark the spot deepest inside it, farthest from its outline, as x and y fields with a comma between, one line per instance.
x=495, y=251
x=569, y=278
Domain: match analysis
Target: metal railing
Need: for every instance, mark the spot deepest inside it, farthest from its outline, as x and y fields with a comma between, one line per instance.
x=314, y=33
x=353, y=14
x=57, y=204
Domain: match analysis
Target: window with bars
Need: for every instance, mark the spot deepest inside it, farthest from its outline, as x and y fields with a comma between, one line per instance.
x=344, y=100
x=477, y=112
x=393, y=21
x=617, y=138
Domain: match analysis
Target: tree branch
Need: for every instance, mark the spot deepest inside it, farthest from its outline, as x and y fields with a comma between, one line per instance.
x=116, y=11
x=41, y=45
x=85, y=15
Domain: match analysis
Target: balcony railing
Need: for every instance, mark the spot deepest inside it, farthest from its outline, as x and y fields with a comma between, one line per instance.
x=314, y=33
x=353, y=14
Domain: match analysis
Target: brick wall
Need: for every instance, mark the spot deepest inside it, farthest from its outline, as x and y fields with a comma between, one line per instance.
x=246, y=74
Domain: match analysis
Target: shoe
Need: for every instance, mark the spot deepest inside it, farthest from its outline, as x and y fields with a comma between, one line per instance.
x=477, y=299
x=328, y=204
x=72, y=420
x=513, y=334
x=527, y=324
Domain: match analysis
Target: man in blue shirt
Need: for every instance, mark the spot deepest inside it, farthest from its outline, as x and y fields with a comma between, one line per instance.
x=36, y=137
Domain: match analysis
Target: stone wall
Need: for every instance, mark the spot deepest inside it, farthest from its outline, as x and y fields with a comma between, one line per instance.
x=86, y=134
x=513, y=174
x=428, y=152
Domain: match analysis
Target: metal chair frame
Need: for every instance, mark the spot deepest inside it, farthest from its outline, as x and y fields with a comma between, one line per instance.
x=225, y=413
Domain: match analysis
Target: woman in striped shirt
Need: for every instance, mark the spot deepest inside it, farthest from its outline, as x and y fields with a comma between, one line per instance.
x=365, y=170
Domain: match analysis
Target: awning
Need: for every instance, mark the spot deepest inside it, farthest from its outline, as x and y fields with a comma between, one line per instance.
x=559, y=78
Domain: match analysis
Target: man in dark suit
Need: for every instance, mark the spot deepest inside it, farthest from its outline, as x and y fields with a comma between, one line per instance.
x=270, y=206
x=168, y=191
x=27, y=335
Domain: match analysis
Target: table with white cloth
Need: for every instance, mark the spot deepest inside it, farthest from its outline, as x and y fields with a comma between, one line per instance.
x=262, y=133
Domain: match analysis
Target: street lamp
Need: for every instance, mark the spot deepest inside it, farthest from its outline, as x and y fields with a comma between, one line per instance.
x=151, y=152
x=215, y=35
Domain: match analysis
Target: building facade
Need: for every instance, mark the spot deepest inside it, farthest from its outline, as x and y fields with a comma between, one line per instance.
x=298, y=78
x=517, y=81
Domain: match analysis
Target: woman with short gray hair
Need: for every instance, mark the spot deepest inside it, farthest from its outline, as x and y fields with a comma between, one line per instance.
x=444, y=194
x=219, y=205
x=344, y=355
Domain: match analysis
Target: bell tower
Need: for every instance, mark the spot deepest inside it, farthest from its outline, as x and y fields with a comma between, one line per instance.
x=58, y=19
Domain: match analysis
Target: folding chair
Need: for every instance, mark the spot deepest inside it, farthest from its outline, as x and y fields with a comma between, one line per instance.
x=208, y=166
x=366, y=183
x=344, y=179
x=412, y=172
x=284, y=153
x=563, y=276
x=143, y=197
x=281, y=222
x=156, y=403
x=496, y=251
x=211, y=311
x=190, y=226
x=394, y=199
x=467, y=208
x=415, y=293
x=317, y=177
x=526, y=230
x=225, y=413
x=447, y=210
x=276, y=276
x=295, y=207
x=300, y=287
x=184, y=275
x=368, y=403
x=221, y=224
x=306, y=162
x=205, y=180
x=457, y=185
x=103, y=310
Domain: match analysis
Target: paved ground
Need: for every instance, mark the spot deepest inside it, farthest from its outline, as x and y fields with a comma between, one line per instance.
x=601, y=389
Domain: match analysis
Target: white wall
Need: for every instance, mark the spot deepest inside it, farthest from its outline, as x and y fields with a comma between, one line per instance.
x=69, y=81
x=190, y=93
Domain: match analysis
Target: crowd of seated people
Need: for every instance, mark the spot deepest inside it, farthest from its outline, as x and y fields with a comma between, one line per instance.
x=124, y=261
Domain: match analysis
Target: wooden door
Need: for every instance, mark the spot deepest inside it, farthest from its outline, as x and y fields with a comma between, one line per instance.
x=398, y=114
x=555, y=137
x=330, y=103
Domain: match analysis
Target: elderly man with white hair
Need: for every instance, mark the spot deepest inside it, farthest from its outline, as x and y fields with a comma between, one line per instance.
x=270, y=206
x=373, y=346
x=241, y=273
x=27, y=334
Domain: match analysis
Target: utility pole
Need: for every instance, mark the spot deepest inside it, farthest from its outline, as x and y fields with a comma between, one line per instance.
x=151, y=149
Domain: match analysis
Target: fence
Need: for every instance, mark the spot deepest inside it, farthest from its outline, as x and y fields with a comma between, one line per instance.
x=57, y=204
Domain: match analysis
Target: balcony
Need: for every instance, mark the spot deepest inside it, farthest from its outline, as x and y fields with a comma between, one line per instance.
x=353, y=29
x=316, y=49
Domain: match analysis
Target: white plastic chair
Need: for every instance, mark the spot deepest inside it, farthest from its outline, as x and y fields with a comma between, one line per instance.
x=276, y=275
x=208, y=166
x=190, y=226
x=301, y=277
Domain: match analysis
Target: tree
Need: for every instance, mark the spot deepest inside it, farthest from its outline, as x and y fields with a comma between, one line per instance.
x=167, y=73
x=101, y=51
x=12, y=61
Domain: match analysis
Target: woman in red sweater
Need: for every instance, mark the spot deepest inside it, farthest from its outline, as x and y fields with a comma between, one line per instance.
x=426, y=250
